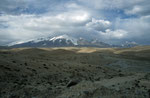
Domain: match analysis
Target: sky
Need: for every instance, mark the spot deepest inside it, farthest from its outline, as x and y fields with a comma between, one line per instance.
x=111, y=21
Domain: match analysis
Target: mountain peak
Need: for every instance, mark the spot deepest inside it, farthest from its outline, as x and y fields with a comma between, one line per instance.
x=66, y=37
x=61, y=41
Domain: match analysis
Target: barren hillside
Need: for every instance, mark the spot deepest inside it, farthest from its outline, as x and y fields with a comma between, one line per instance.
x=75, y=72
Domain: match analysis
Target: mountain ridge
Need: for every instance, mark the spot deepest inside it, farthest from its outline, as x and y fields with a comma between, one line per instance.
x=68, y=41
x=60, y=41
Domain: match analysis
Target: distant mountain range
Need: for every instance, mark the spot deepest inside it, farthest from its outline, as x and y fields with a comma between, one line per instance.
x=4, y=47
x=66, y=41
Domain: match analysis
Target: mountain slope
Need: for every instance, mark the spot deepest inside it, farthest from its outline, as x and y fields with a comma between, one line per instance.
x=60, y=41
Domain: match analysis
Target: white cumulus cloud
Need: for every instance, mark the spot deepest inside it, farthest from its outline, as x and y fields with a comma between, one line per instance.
x=99, y=25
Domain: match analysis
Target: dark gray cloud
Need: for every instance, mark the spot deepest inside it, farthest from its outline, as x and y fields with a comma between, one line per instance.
x=12, y=6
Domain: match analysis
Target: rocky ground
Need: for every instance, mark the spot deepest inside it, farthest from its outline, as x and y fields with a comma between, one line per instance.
x=75, y=72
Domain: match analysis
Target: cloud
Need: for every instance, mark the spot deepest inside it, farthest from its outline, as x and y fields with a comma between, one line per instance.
x=136, y=7
x=138, y=28
x=141, y=10
x=117, y=34
x=23, y=27
x=113, y=4
x=114, y=21
x=11, y=6
x=99, y=25
x=73, y=6
x=16, y=7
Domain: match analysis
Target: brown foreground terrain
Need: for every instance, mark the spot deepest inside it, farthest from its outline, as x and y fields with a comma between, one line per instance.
x=75, y=72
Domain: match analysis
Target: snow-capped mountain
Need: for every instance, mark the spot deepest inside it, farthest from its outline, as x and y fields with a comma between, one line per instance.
x=64, y=37
x=63, y=40
x=60, y=41
x=129, y=44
